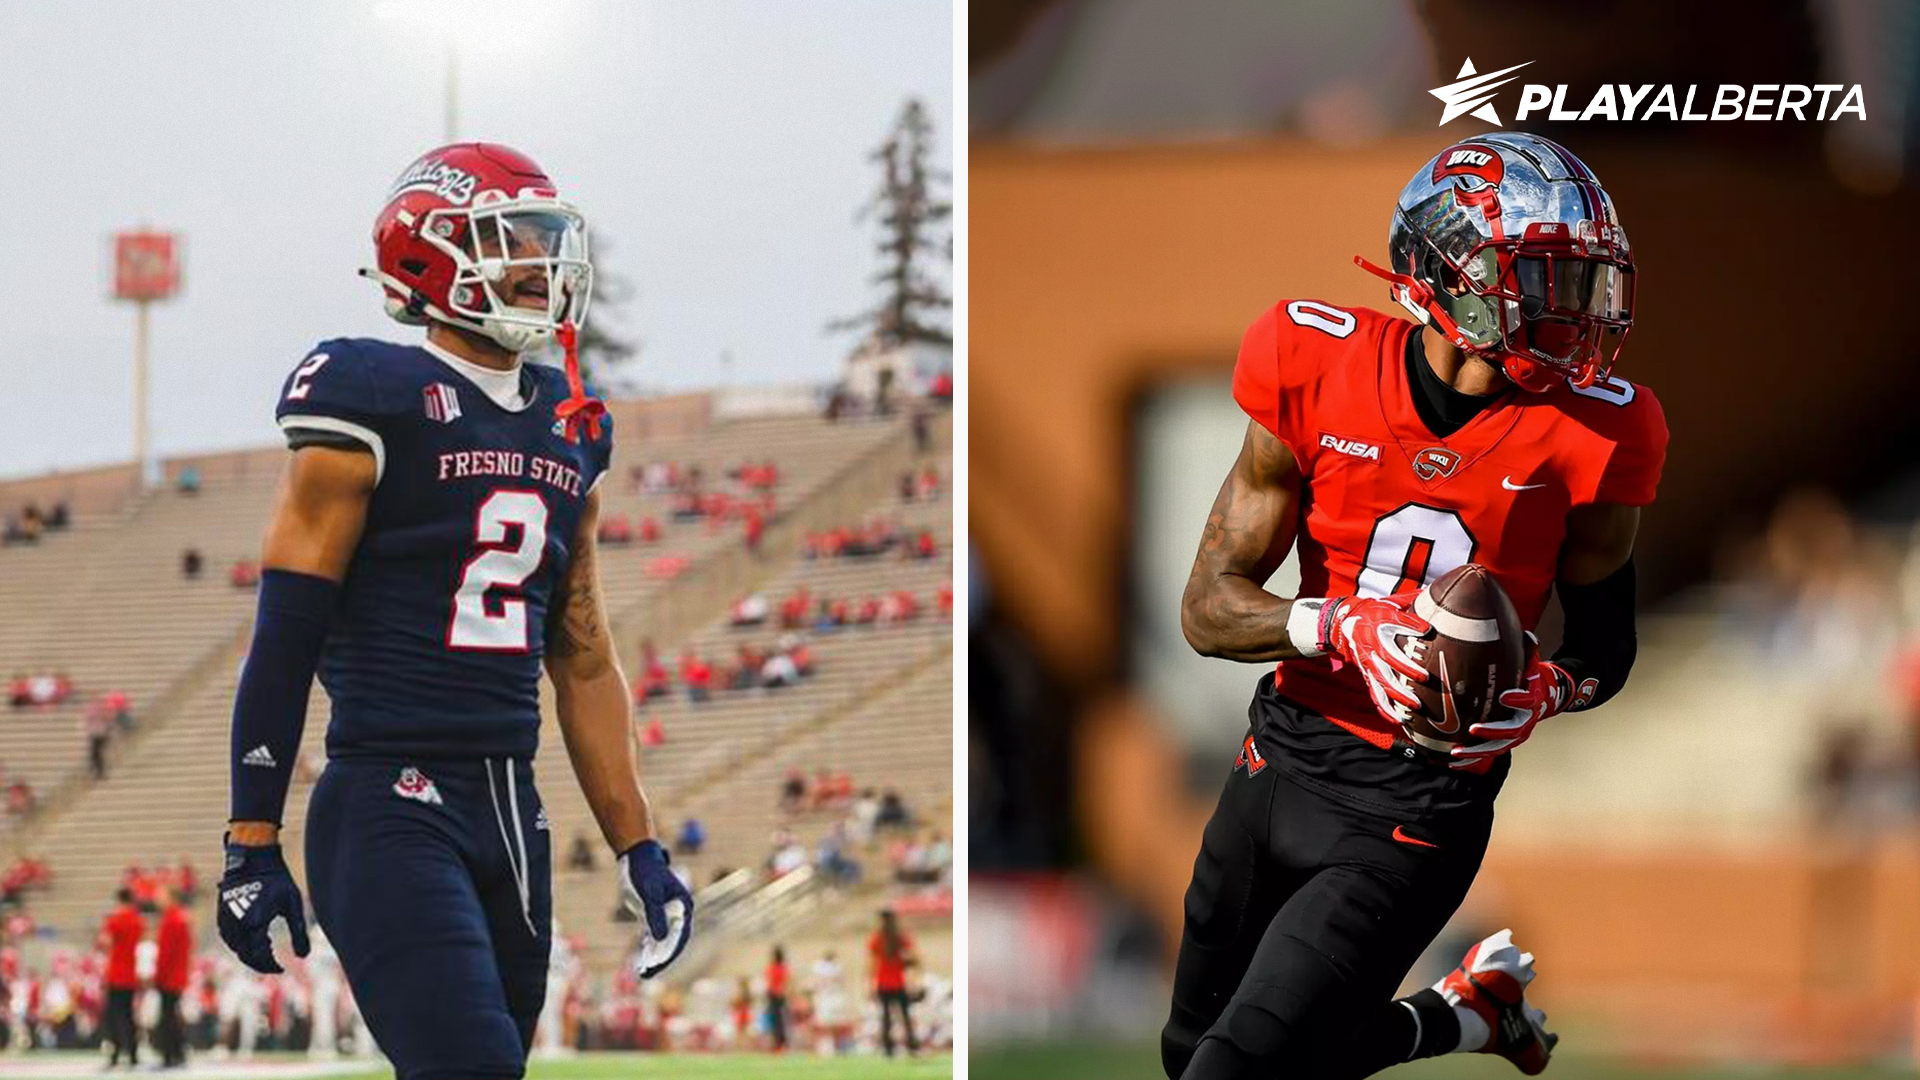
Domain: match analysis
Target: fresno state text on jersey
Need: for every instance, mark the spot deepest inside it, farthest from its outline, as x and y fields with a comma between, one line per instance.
x=1331, y=383
x=439, y=633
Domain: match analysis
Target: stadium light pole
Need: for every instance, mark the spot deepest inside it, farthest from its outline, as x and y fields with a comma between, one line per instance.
x=146, y=267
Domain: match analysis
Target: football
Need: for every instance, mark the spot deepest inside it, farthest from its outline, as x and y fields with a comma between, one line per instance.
x=1475, y=651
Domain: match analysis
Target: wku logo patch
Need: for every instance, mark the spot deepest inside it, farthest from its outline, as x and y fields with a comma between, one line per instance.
x=413, y=784
x=1435, y=462
x=1250, y=758
x=442, y=403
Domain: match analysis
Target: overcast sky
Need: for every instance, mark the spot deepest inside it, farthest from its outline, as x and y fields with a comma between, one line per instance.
x=717, y=146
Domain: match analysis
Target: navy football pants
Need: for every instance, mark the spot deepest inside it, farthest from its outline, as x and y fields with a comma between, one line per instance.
x=435, y=886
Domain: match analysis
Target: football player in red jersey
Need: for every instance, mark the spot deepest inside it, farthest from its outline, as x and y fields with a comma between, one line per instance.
x=1491, y=431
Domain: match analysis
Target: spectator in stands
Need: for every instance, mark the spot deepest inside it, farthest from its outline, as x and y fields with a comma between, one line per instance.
x=172, y=967
x=43, y=689
x=616, y=529
x=692, y=838
x=907, y=488
x=244, y=574
x=893, y=812
x=866, y=815
x=922, y=431
x=890, y=953
x=924, y=545
x=748, y=662
x=190, y=564
x=820, y=790
x=941, y=387
x=649, y=530
x=119, y=709
x=777, y=977
x=832, y=859
x=120, y=938
x=580, y=853
x=188, y=482
x=749, y=610
x=833, y=615
x=788, y=854
x=60, y=516
x=98, y=727
x=186, y=882
x=697, y=676
x=653, y=733
x=21, y=801
x=943, y=598
x=928, y=485
x=753, y=529
x=779, y=671
x=793, y=791
x=21, y=530
x=793, y=610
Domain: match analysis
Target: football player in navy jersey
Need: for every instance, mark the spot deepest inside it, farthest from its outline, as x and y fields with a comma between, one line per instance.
x=432, y=547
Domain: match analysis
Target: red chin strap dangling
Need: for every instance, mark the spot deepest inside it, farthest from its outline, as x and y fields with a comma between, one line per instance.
x=578, y=409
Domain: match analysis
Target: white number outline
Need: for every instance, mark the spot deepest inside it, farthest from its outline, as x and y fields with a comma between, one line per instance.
x=1393, y=565
x=1613, y=390
x=1322, y=317
x=497, y=565
x=301, y=387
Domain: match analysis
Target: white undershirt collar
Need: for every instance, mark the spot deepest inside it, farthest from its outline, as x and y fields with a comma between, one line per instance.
x=502, y=387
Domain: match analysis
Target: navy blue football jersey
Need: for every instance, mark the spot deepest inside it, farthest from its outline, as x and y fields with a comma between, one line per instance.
x=435, y=648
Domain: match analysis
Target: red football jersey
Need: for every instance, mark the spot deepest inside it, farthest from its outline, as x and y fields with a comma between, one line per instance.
x=1387, y=506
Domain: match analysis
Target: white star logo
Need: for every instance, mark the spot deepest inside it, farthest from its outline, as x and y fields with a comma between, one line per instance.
x=1472, y=95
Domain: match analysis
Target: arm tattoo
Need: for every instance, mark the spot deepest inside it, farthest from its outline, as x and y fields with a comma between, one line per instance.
x=1226, y=611
x=576, y=624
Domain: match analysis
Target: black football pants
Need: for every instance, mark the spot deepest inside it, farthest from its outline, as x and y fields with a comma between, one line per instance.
x=1304, y=914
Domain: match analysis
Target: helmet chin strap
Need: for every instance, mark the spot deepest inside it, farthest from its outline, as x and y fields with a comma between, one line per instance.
x=578, y=409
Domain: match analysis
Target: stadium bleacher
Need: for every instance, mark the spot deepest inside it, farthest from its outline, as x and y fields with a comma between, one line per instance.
x=105, y=601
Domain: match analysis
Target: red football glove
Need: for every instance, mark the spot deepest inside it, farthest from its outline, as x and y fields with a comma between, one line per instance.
x=1545, y=690
x=1369, y=634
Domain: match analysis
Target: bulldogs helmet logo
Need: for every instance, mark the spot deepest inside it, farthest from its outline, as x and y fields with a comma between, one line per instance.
x=1249, y=758
x=1435, y=463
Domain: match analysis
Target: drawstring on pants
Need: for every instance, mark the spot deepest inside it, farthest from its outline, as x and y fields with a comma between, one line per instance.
x=517, y=864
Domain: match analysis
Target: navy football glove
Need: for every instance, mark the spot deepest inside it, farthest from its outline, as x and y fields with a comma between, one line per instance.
x=656, y=894
x=255, y=890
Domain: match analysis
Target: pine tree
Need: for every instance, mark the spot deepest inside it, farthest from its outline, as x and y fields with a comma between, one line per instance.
x=910, y=211
x=604, y=352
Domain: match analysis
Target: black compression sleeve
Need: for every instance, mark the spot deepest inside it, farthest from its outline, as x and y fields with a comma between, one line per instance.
x=1599, y=643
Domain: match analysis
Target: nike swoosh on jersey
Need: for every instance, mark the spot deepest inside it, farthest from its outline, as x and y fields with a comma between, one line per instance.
x=1400, y=834
x=1507, y=482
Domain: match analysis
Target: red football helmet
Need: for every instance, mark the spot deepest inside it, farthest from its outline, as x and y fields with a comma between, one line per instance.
x=457, y=226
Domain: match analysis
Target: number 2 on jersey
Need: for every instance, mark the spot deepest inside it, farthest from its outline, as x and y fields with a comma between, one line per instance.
x=498, y=566
x=1412, y=546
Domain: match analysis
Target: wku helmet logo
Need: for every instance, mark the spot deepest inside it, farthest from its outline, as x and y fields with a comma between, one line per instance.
x=1435, y=463
x=1472, y=95
x=1250, y=758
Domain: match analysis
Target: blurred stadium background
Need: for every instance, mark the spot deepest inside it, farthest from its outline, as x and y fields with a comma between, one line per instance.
x=1720, y=871
x=786, y=519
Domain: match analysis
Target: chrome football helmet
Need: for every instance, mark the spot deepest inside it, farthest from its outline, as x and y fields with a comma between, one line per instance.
x=1508, y=245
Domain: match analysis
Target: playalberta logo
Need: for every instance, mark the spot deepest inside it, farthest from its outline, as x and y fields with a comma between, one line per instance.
x=1472, y=94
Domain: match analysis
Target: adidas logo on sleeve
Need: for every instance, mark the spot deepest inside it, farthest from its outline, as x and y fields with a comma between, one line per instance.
x=260, y=756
